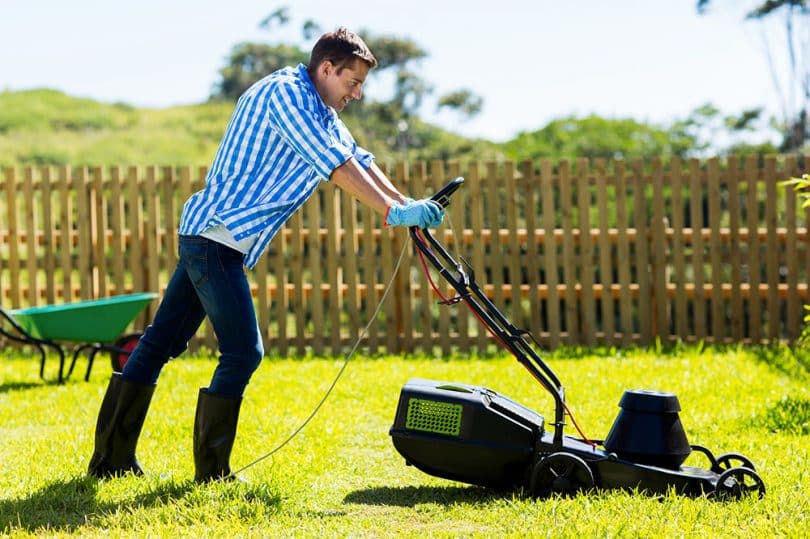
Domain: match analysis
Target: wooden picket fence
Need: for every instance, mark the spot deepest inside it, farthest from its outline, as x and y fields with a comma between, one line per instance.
x=583, y=252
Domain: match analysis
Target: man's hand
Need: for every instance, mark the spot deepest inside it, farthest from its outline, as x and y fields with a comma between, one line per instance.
x=423, y=213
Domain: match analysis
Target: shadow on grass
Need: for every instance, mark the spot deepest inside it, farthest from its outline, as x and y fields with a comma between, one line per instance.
x=793, y=362
x=412, y=496
x=66, y=505
x=10, y=387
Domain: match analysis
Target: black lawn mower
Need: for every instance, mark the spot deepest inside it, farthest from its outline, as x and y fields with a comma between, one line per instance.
x=474, y=435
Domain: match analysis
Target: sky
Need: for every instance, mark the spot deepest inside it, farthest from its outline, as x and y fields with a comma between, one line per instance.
x=530, y=60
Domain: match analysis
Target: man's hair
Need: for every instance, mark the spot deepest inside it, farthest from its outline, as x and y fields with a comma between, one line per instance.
x=341, y=47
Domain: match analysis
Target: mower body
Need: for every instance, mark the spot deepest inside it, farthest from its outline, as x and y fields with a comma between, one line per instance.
x=465, y=433
x=474, y=435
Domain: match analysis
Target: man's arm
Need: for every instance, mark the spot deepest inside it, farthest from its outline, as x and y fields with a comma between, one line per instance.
x=351, y=177
x=365, y=186
x=384, y=183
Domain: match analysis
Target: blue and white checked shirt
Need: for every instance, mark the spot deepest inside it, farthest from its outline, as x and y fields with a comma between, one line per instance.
x=282, y=140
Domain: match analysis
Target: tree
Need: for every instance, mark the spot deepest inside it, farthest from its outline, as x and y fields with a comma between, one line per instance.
x=594, y=137
x=713, y=133
x=397, y=56
x=793, y=84
x=250, y=62
x=463, y=101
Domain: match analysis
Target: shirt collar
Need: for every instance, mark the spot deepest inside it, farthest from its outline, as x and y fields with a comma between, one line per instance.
x=326, y=112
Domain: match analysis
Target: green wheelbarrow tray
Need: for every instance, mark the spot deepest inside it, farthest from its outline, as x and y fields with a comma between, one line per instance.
x=94, y=322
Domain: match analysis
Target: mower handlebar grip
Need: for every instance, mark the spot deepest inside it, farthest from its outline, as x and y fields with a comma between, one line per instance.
x=443, y=195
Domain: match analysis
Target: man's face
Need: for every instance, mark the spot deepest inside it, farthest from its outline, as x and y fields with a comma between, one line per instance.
x=337, y=88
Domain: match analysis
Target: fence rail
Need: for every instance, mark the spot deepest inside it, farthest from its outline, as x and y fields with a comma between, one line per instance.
x=583, y=252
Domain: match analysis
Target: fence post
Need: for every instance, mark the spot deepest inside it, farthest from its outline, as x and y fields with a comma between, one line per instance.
x=66, y=240
x=48, y=233
x=735, y=254
x=570, y=279
x=660, y=298
x=605, y=254
x=643, y=261
x=550, y=251
x=715, y=251
x=772, y=248
x=13, y=237
x=30, y=235
x=791, y=255
x=696, y=223
x=586, y=261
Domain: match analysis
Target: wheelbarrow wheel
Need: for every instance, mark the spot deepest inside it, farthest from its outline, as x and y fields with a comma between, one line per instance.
x=122, y=348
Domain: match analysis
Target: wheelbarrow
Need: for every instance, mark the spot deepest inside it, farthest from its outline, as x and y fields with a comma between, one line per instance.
x=92, y=326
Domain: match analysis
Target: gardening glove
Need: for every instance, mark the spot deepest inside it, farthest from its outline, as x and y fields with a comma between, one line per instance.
x=423, y=213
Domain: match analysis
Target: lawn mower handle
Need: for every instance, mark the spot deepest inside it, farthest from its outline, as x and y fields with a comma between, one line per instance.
x=468, y=291
x=443, y=196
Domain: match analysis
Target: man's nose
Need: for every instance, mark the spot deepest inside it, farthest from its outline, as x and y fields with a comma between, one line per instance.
x=358, y=93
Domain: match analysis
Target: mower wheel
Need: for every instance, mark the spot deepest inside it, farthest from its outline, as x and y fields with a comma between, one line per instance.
x=735, y=483
x=727, y=461
x=122, y=348
x=560, y=473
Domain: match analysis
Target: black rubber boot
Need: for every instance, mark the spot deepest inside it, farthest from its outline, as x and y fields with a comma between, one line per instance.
x=214, y=433
x=119, y=424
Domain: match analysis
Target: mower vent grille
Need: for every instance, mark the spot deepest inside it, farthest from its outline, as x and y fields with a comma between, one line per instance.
x=434, y=416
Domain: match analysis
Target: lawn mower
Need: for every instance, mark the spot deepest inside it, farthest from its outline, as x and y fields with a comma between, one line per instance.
x=474, y=435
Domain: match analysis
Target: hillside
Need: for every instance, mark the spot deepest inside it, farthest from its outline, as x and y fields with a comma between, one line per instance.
x=48, y=127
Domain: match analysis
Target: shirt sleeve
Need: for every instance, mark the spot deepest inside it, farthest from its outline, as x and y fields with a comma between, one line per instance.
x=363, y=156
x=302, y=130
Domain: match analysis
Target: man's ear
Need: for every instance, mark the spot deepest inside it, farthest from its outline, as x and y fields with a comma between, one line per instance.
x=326, y=67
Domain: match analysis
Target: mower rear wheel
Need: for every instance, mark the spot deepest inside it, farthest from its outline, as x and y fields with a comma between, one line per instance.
x=727, y=461
x=735, y=483
x=123, y=347
x=560, y=473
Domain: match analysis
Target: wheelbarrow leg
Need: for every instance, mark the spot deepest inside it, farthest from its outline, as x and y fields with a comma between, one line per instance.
x=42, y=356
x=91, y=355
x=61, y=376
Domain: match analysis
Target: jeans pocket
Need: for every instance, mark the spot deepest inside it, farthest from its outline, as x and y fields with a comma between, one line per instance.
x=193, y=252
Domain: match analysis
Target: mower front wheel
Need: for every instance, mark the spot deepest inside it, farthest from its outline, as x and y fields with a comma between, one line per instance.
x=727, y=461
x=735, y=483
x=122, y=348
x=560, y=473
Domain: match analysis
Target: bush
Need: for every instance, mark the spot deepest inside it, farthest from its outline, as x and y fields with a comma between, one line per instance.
x=802, y=185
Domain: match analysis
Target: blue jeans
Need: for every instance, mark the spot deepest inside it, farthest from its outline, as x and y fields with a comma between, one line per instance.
x=209, y=280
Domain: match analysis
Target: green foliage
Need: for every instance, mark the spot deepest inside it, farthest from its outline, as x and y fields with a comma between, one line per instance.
x=463, y=101
x=392, y=136
x=802, y=185
x=382, y=121
x=46, y=127
x=38, y=111
x=249, y=62
x=593, y=137
x=790, y=73
x=342, y=477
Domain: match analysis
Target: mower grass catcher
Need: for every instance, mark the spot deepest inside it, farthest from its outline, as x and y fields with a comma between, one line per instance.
x=474, y=435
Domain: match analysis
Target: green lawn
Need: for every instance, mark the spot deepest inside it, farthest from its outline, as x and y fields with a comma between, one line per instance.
x=342, y=477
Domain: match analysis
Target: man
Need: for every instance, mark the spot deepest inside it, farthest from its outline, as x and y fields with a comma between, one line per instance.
x=283, y=139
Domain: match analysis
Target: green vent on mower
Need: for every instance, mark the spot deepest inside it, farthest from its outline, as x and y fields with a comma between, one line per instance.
x=434, y=416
